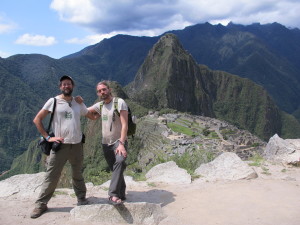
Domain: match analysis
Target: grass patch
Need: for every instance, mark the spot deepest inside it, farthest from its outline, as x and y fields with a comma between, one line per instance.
x=137, y=176
x=265, y=170
x=214, y=135
x=181, y=129
x=195, y=176
x=257, y=160
x=98, y=177
x=190, y=161
x=255, y=145
x=150, y=184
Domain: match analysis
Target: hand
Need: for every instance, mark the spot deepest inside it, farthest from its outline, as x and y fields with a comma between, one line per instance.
x=121, y=150
x=56, y=139
x=79, y=99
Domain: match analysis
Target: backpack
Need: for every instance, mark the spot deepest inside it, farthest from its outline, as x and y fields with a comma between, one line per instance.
x=131, y=124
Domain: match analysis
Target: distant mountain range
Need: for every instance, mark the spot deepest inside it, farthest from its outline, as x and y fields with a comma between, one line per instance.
x=266, y=54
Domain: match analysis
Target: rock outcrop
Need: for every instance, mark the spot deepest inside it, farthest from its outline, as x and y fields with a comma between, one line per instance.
x=168, y=173
x=283, y=150
x=23, y=185
x=227, y=166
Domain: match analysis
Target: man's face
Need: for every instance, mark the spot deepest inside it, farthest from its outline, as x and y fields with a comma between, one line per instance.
x=103, y=92
x=66, y=87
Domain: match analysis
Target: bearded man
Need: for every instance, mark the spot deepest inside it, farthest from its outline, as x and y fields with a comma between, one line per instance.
x=114, y=117
x=67, y=130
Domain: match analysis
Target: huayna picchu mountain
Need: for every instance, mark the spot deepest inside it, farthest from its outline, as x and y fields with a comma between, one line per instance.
x=170, y=78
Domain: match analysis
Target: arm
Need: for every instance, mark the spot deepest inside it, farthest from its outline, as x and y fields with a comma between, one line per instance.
x=38, y=122
x=124, y=122
x=92, y=114
x=39, y=125
x=121, y=149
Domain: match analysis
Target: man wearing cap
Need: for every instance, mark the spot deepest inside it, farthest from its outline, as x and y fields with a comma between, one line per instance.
x=67, y=129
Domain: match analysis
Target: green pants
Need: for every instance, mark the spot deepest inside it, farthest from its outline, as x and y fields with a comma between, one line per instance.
x=68, y=152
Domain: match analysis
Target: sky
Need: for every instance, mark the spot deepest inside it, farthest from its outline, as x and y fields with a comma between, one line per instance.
x=57, y=28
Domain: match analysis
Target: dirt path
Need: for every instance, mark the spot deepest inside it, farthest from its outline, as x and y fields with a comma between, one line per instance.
x=271, y=199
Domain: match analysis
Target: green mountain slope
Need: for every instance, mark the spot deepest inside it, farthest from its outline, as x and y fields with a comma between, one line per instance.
x=170, y=78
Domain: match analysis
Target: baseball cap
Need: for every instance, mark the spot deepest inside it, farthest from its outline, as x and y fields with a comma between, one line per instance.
x=66, y=77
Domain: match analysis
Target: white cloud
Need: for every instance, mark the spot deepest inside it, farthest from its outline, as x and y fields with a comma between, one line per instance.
x=157, y=16
x=6, y=26
x=79, y=11
x=36, y=40
x=90, y=39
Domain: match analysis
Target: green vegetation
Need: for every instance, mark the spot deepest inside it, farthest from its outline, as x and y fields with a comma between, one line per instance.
x=150, y=184
x=265, y=171
x=255, y=145
x=290, y=126
x=181, y=129
x=97, y=177
x=257, y=160
x=167, y=111
x=190, y=161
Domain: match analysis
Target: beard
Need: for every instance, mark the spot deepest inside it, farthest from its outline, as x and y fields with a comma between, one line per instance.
x=104, y=96
x=67, y=92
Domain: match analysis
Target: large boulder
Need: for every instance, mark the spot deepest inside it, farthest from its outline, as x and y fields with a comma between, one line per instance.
x=23, y=185
x=169, y=173
x=227, y=166
x=285, y=151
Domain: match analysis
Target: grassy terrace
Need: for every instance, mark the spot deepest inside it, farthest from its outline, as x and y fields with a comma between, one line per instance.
x=181, y=129
x=190, y=128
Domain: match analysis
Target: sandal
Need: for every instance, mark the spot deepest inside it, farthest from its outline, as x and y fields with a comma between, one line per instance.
x=117, y=200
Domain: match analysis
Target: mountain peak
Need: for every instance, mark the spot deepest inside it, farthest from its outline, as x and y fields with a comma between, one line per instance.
x=168, y=39
x=155, y=67
x=170, y=78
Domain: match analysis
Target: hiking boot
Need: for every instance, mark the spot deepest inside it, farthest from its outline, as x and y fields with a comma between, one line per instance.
x=82, y=201
x=37, y=212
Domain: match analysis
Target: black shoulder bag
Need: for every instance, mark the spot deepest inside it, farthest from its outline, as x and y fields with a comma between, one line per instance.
x=43, y=143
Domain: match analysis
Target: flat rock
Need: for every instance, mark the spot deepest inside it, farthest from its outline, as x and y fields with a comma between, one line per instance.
x=141, y=213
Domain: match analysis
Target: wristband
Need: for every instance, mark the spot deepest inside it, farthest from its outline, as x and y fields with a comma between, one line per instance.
x=122, y=143
x=47, y=138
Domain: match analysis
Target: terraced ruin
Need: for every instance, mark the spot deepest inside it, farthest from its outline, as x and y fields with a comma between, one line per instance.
x=194, y=139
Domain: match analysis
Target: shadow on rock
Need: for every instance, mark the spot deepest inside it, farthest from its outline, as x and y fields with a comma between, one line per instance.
x=156, y=196
x=125, y=213
x=60, y=209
